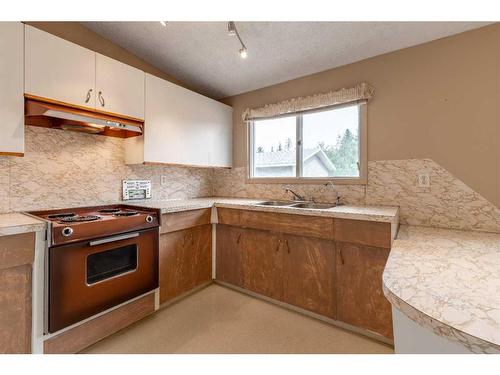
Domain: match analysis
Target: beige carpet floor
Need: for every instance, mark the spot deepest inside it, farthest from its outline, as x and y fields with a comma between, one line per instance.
x=220, y=320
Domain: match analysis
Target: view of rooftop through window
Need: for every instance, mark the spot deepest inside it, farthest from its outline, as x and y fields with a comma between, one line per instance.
x=330, y=144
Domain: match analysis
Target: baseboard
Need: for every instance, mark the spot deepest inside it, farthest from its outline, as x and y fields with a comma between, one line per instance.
x=185, y=295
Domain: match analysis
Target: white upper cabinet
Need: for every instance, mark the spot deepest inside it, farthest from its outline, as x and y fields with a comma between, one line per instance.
x=182, y=127
x=63, y=71
x=59, y=70
x=11, y=89
x=119, y=88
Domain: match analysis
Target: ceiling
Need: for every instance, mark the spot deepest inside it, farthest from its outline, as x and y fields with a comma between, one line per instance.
x=206, y=58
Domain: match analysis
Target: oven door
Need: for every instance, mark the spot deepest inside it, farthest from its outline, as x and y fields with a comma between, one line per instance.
x=89, y=277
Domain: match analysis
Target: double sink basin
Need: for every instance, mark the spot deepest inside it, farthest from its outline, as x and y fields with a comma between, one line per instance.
x=300, y=204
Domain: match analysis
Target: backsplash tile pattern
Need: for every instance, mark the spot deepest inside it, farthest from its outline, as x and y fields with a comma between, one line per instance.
x=4, y=184
x=68, y=169
x=231, y=183
x=448, y=203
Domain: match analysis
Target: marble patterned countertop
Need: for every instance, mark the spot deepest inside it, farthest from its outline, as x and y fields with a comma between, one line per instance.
x=15, y=223
x=372, y=213
x=449, y=282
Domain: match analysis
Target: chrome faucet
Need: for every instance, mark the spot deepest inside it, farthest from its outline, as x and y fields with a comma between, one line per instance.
x=296, y=197
x=337, y=195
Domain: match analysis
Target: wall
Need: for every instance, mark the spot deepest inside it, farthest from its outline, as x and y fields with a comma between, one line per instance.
x=438, y=101
x=79, y=34
x=69, y=169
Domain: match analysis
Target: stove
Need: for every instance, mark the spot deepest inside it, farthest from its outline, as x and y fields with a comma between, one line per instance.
x=77, y=224
x=97, y=258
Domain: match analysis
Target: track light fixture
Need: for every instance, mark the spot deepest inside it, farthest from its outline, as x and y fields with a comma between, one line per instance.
x=231, y=30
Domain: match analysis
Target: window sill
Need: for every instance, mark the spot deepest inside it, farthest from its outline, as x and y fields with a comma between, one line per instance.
x=310, y=181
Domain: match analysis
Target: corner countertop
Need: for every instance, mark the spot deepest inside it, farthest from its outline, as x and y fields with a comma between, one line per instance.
x=448, y=281
x=15, y=223
x=371, y=213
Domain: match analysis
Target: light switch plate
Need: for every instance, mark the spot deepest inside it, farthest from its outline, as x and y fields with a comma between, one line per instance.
x=163, y=180
x=424, y=180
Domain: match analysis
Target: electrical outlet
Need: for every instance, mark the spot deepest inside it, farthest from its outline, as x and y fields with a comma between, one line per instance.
x=424, y=180
x=163, y=180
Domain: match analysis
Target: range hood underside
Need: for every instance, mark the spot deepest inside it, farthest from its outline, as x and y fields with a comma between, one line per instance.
x=45, y=113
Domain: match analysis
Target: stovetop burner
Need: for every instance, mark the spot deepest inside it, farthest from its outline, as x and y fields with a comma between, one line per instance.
x=126, y=213
x=74, y=219
x=108, y=210
x=61, y=215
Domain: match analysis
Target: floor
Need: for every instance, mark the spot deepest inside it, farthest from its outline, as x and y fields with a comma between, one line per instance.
x=220, y=320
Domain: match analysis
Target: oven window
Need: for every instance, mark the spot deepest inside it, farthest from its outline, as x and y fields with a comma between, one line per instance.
x=102, y=266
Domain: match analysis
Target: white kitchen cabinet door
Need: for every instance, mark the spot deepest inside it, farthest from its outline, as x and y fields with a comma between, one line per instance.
x=11, y=89
x=119, y=88
x=182, y=127
x=59, y=70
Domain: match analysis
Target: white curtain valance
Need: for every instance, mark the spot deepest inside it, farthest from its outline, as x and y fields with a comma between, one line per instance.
x=359, y=92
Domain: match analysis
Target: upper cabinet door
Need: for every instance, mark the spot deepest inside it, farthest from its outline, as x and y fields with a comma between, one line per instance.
x=183, y=127
x=59, y=70
x=119, y=88
x=11, y=89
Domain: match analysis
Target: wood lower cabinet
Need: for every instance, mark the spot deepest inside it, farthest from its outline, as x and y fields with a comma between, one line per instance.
x=360, y=299
x=263, y=263
x=251, y=259
x=16, y=258
x=309, y=274
x=229, y=257
x=185, y=260
x=293, y=269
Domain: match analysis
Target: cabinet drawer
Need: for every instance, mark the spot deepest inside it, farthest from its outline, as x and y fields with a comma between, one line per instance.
x=301, y=225
x=369, y=233
x=186, y=219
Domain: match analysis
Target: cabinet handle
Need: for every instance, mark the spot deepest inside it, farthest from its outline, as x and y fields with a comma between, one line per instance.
x=87, y=98
x=287, y=247
x=192, y=239
x=101, y=99
x=341, y=257
x=238, y=239
x=278, y=247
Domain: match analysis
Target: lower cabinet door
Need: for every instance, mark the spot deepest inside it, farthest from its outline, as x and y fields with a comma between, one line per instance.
x=309, y=274
x=185, y=261
x=262, y=262
x=361, y=301
x=229, y=258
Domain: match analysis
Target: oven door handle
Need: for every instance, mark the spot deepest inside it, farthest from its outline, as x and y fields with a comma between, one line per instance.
x=113, y=239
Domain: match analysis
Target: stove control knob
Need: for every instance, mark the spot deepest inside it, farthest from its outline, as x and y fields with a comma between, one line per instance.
x=66, y=232
x=149, y=219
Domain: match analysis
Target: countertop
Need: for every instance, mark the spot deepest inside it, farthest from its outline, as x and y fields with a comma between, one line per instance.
x=449, y=282
x=371, y=213
x=15, y=223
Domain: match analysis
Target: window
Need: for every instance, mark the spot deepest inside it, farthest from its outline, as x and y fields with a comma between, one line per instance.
x=327, y=144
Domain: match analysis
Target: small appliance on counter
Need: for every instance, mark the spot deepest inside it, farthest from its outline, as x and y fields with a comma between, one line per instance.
x=97, y=258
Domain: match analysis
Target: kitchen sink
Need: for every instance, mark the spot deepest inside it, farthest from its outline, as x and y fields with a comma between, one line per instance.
x=320, y=206
x=276, y=203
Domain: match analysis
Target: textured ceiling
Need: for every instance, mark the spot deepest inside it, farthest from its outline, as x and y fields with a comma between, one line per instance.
x=205, y=57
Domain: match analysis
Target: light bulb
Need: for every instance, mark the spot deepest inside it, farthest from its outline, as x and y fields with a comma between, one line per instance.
x=243, y=53
x=163, y=23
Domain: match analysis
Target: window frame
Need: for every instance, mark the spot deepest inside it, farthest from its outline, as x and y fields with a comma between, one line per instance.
x=363, y=151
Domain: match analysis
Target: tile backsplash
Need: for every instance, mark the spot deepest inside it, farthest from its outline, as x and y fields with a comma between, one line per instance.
x=68, y=169
x=447, y=203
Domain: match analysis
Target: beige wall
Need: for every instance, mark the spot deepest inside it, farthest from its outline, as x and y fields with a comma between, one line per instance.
x=439, y=100
x=79, y=34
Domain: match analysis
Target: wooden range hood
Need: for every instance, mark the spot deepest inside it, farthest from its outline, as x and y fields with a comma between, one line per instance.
x=57, y=115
